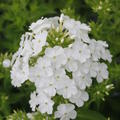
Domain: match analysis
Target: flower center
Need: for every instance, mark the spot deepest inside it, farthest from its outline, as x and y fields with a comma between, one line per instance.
x=54, y=57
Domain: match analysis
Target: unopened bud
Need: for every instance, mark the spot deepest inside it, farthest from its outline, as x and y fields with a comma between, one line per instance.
x=6, y=63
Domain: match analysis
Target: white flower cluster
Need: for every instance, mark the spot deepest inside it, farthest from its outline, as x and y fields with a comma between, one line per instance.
x=63, y=71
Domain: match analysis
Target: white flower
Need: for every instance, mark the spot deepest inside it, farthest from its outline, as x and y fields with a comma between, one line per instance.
x=46, y=84
x=44, y=103
x=106, y=55
x=44, y=66
x=65, y=112
x=20, y=61
x=56, y=55
x=76, y=28
x=89, y=67
x=82, y=81
x=34, y=74
x=80, y=51
x=59, y=77
x=64, y=85
x=40, y=25
x=59, y=74
x=59, y=71
x=38, y=42
x=43, y=24
x=102, y=72
x=71, y=64
x=68, y=88
x=93, y=68
x=41, y=69
x=33, y=101
x=6, y=63
x=98, y=50
x=79, y=98
x=83, y=68
x=20, y=71
x=71, y=23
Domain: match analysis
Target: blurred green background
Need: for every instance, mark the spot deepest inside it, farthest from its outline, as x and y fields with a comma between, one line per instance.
x=15, y=17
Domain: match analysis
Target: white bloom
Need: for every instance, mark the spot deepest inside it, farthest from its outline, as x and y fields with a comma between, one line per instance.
x=68, y=88
x=20, y=61
x=71, y=23
x=79, y=98
x=82, y=81
x=106, y=55
x=44, y=66
x=102, y=72
x=71, y=64
x=46, y=84
x=76, y=28
x=33, y=101
x=43, y=24
x=65, y=112
x=89, y=67
x=93, y=68
x=38, y=42
x=57, y=70
x=64, y=85
x=44, y=103
x=20, y=71
x=98, y=50
x=34, y=74
x=56, y=55
x=59, y=77
x=6, y=63
x=80, y=51
x=40, y=25
x=83, y=68
x=41, y=69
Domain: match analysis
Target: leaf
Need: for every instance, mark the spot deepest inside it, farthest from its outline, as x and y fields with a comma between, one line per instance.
x=18, y=115
x=84, y=114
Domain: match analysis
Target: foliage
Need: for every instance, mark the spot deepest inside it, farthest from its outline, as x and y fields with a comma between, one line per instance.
x=104, y=18
x=18, y=115
x=85, y=114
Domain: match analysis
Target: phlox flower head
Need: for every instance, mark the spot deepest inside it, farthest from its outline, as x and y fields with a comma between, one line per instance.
x=60, y=59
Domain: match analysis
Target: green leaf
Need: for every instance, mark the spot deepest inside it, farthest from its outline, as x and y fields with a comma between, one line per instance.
x=18, y=115
x=84, y=114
